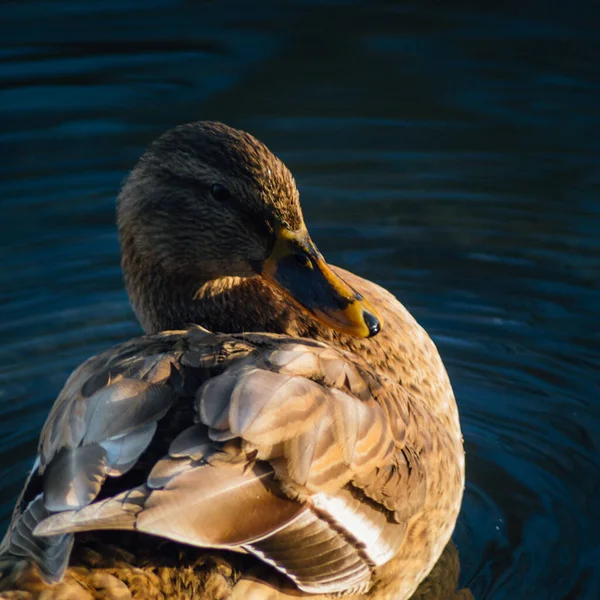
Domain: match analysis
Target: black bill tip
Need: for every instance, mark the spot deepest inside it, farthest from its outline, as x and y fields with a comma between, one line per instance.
x=372, y=323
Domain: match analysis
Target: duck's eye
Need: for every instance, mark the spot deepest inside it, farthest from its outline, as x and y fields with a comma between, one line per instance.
x=220, y=192
x=301, y=259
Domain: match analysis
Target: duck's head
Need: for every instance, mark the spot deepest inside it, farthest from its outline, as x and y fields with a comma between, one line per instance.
x=207, y=201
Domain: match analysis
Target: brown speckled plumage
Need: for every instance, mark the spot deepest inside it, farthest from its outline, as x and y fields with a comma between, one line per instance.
x=189, y=257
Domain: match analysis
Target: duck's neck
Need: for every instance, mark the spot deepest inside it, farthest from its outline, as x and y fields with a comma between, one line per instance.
x=165, y=301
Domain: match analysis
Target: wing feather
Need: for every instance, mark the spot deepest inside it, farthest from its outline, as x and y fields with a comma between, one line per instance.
x=299, y=438
x=74, y=478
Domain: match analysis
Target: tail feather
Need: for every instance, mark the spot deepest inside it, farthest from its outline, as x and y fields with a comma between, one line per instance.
x=50, y=554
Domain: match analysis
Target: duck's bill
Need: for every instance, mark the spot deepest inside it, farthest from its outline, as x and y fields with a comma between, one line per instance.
x=297, y=268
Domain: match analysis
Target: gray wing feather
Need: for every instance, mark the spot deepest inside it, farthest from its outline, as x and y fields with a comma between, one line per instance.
x=123, y=451
x=51, y=553
x=103, y=420
x=74, y=477
x=118, y=512
x=167, y=468
x=124, y=407
x=193, y=442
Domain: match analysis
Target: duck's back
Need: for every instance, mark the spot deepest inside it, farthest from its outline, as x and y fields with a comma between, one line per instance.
x=291, y=458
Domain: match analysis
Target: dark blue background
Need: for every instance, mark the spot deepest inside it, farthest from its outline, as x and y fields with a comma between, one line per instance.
x=448, y=150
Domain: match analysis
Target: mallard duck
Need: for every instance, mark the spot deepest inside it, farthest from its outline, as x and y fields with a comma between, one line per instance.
x=287, y=415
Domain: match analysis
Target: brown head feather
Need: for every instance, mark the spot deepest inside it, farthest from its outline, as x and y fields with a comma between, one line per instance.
x=180, y=239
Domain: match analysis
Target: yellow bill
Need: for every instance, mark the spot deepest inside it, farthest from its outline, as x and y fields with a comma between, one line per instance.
x=298, y=269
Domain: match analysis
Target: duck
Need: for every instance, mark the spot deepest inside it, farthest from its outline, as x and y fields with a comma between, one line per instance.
x=283, y=429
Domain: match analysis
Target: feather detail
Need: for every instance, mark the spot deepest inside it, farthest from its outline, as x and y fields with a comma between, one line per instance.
x=50, y=554
x=285, y=431
x=74, y=477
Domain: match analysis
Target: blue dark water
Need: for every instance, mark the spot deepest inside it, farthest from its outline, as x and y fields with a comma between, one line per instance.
x=448, y=151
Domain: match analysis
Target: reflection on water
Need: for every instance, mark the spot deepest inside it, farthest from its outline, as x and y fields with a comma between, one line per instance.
x=450, y=154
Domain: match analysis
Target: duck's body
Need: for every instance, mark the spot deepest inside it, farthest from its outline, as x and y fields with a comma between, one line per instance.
x=405, y=484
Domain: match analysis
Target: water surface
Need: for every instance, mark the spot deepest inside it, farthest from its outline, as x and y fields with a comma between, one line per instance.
x=450, y=154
